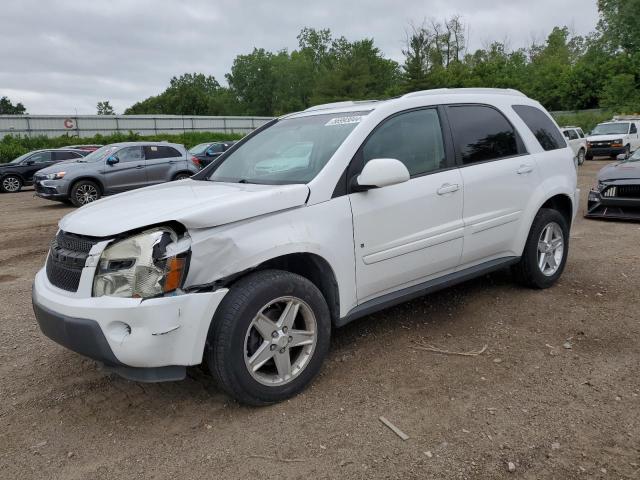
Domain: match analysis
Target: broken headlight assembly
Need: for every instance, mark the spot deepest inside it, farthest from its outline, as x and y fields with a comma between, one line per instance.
x=149, y=264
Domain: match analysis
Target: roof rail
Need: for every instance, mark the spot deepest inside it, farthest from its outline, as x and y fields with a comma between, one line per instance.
x=619, y=118
x=467, y=91
x=348, y=103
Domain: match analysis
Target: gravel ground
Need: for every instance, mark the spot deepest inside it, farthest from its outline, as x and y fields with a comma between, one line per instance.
x=555, y=395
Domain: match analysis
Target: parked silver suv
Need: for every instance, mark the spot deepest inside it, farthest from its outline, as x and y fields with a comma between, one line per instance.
x=113, y=169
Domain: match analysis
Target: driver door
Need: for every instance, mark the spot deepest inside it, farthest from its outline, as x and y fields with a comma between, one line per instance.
x=407, y=233
x=128, y=173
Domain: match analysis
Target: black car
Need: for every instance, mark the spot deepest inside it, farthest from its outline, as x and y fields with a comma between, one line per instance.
x=207, y=152
x=616, y=193
x=19, y=172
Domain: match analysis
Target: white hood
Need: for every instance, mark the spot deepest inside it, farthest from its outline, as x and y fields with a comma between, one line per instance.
x=195, y=204
x=606, y=138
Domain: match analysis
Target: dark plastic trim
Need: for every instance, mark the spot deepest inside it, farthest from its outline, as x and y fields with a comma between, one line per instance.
x=406, y=294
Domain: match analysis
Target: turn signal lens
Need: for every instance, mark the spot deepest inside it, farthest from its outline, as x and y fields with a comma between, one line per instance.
x=173, y=277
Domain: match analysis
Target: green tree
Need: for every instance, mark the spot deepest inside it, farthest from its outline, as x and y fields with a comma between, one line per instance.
x=105, y=108
x=8, y=108
x=620, y=24
x=621, y=93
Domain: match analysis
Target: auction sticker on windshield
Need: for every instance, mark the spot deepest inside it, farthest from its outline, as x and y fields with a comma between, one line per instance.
x=344, y=120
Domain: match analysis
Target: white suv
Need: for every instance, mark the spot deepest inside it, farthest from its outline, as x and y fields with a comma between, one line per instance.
x=577, y=141
x=249, y=268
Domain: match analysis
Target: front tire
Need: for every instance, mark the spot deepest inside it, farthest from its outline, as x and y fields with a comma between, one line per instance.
x=268, y=337
x=181, y=176
x=11, y=184
x=545, y=252
x=84, y=192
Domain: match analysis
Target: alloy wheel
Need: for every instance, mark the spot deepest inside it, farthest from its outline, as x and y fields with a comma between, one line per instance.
x=550, y=249
x=86, y=194
x=11, y=184
x=280, y=341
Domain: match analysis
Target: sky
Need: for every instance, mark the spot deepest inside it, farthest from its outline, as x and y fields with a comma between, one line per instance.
x=64, y=56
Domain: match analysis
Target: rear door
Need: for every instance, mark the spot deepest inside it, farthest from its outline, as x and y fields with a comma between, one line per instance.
x=128, y=173
x=406, y=233
x=634, y=137
x=499, y=178
x=162, y=162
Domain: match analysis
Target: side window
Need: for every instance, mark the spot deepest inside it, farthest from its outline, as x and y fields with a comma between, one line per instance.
x=580, y=133
x=573, y=135
x=414, y=138
x=40, y=157
x=152, y=152
x=65, y=155
x=481, y=133
x=129, y=154
x=565, y=133
x=634, y=129
x=541, y=126
x=215, y=148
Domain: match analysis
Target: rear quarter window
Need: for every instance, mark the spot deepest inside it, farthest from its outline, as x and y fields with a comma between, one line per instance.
x=545, y=131
x=152, y=152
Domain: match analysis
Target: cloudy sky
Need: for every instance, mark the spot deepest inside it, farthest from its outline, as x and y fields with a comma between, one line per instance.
x=62, y=56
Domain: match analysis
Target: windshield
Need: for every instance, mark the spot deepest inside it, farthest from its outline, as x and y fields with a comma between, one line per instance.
x=99, y=154
x=198, y=149
x=635, y=157
x=611, y=129
x=293, y=150
x=19, y=159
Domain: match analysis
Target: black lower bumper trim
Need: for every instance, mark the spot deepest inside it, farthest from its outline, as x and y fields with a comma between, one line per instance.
x=150, y=375
x=81, y=335
x=84, y=336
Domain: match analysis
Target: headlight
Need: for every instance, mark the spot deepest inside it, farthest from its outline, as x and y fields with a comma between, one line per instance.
x=617, y=141
x=55, y=176
x=145, y=265
x=597, y=186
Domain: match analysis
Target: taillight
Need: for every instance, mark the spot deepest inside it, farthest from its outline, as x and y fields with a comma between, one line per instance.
x=196, y=161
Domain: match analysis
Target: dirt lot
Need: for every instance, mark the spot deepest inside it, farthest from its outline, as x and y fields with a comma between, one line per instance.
x=557, y=391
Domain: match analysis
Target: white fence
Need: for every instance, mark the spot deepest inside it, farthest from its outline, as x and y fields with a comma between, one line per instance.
x=90, y=125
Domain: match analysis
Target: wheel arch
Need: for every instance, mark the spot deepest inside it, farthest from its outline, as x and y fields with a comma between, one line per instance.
x=563, y=204
x=311, y=266
x=89, y=178
x=181, y=172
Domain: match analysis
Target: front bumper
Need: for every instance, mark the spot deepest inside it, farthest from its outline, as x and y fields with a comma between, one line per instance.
x=605, y=151
x=599, y=206
x=50, y=189
x=168, y=332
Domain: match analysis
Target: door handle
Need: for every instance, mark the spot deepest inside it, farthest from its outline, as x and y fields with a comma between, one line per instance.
x=138, y=167
x=448, y=188
x=524, y=169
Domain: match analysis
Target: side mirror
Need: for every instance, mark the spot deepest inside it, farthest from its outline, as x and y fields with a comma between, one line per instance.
x=380, y=172
x=622, y=157
x=112, y=160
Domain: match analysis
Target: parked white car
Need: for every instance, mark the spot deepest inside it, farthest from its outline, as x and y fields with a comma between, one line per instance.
x=613, y=138
x=577, y=141
x=248, y=269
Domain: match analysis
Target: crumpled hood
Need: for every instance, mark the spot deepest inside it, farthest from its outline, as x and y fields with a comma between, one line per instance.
x=193, y=203
x=620, y=171
x=605, y=138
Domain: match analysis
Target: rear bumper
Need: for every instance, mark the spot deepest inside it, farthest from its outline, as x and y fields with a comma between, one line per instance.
x=614, y=208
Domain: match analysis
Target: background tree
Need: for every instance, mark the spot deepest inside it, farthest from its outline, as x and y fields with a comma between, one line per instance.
x=8, y=108
x=105, y=108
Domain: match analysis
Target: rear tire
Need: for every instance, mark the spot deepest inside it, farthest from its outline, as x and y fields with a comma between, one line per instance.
x=11, y=184
x=581, y=156
x=84, y=192
x=256, y=352
x=589, y=156
x=545, y=252
x=181, y=176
